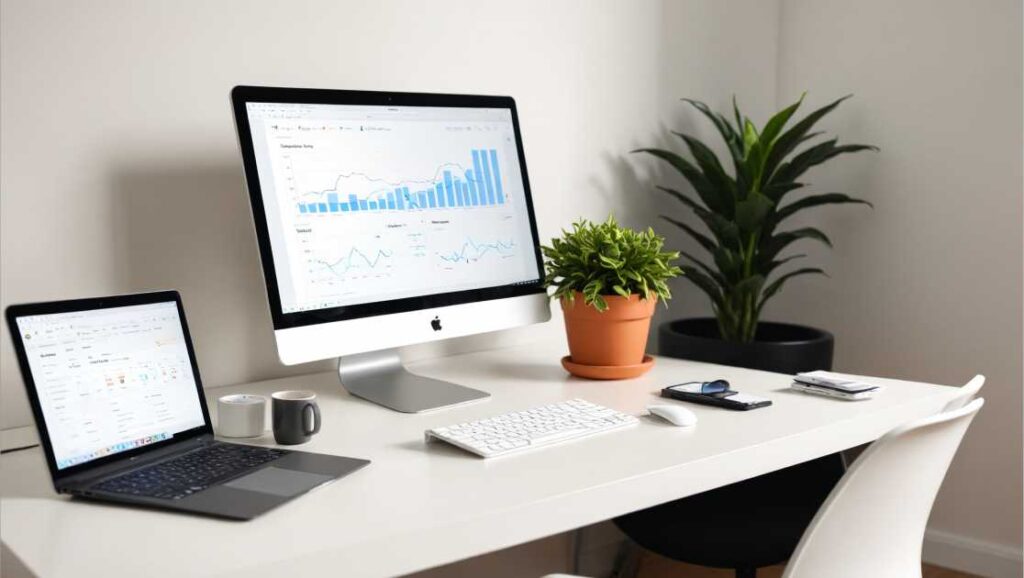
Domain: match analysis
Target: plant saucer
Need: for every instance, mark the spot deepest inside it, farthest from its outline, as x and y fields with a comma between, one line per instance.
x=608, y=372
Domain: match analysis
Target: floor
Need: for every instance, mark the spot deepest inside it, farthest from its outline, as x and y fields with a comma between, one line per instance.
x=654, y=566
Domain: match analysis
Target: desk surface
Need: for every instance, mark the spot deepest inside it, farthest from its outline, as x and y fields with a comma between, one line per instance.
x=417, y=506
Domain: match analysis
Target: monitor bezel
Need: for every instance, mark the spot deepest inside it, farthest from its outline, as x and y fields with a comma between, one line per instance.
x=14, y=312
x=242, y=95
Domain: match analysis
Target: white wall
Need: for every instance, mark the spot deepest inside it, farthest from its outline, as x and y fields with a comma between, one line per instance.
x=120, y=168
x=926, y=286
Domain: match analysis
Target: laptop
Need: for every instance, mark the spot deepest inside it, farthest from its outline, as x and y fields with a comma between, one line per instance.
x=118, y=402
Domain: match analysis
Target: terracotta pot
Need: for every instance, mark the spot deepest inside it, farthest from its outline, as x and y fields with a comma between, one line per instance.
x=617, y=336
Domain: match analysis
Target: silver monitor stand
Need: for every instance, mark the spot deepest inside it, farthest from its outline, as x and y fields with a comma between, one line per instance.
x=380, y=377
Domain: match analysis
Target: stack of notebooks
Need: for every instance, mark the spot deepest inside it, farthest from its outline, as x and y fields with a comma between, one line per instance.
x=833, y=385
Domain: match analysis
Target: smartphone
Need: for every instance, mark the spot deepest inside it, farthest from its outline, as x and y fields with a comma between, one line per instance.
x=728, y=399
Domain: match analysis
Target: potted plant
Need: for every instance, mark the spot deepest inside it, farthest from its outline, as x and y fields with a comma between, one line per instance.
x=608, y=279
x=743, y=211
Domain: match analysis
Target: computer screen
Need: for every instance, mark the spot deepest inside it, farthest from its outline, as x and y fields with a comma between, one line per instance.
x=379, y=203
x=111, y=380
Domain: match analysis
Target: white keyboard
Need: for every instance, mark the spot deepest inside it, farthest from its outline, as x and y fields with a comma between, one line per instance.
x=531, y=428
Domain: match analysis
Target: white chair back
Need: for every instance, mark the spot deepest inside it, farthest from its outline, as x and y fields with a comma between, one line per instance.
x=966, y=393
x=873, y=522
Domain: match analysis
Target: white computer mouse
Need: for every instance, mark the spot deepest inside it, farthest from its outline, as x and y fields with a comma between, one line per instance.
x=674, y=414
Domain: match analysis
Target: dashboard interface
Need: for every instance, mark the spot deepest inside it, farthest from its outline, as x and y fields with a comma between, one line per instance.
x=366, y=204
x=111, y=380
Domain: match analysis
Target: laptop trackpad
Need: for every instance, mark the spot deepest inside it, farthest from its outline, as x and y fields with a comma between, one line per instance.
x=279, y=481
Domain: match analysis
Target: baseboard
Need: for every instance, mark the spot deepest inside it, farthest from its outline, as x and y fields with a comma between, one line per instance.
x=971, y=555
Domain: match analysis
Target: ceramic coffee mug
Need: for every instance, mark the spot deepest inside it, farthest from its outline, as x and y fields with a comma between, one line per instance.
x=241, y=415
x=296, y=416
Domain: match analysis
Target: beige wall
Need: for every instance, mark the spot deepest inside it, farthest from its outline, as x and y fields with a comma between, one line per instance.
x=926, y=286
x=121, y=171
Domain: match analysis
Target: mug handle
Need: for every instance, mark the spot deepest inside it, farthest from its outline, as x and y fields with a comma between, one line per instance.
x=313, y=419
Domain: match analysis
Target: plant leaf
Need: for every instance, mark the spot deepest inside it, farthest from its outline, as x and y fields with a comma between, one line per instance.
x=713, y=171
x=776, y=243
x=814, y=201
x=732, y=139
x=774, y=286
x=718, y=278
x=813, y=156
x=789, y=140
x=702, y=239
x=774, y=126
x=704, y=283
x=707, y=193
x=751, y=213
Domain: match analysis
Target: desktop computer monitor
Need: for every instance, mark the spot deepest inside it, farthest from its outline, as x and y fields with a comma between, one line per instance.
x=387, y=219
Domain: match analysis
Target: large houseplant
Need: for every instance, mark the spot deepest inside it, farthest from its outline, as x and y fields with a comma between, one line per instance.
x=743, y=211
x=608, y=279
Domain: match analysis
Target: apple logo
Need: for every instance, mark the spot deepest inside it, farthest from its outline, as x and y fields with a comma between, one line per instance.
x=435, y=324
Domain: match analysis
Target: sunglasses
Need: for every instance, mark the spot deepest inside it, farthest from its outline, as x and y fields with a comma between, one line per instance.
x=718, y=386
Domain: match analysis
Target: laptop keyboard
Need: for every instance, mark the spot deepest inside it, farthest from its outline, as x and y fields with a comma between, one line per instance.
x=193, y=472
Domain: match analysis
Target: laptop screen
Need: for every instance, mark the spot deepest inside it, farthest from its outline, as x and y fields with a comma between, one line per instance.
x=111, y=380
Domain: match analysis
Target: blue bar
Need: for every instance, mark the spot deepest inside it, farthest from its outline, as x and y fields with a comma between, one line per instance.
x=332, y=200
x=344, y=207
x=497, y=177
x=423, y=199
x=311, y=207
x=477, y=172
x=448, y=187
x=471, y=184
x=458, y=193
x=353, y=202
x=432, y=198
x=322, y=207
x=465, y=195
x=302, y=208
x=401, y=194
x=487, y=178
x=363, y=206
x=373, y=205
x=391, y=201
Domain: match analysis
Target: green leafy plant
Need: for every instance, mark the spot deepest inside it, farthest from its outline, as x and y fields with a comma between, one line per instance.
x=606, y=259
x=743, y=210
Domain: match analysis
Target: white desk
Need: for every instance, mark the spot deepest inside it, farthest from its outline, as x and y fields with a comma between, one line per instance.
x=418, y=506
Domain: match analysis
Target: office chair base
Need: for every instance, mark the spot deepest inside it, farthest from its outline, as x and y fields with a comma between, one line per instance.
x=380, y=377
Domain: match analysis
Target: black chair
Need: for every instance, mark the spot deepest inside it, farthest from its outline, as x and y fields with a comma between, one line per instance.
x=743, y=526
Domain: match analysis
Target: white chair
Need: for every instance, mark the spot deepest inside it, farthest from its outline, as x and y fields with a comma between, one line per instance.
x=966, y=393
x=874, y=520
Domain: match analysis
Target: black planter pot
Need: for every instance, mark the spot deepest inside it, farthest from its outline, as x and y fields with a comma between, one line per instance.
x=778, y=347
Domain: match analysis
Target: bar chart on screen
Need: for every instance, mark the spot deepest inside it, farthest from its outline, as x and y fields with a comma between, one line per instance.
x=377, y=207
x=451, y=187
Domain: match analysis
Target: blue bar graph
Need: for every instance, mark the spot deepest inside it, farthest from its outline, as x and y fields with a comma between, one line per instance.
x=496, y=173
x=480, y=185
x=487, y=177
x=448, y=188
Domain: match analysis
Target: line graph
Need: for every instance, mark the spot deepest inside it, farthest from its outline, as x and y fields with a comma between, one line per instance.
x=451, y=186
x=355, y=259
x=472, y=251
